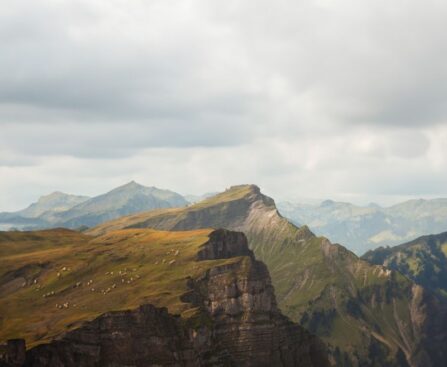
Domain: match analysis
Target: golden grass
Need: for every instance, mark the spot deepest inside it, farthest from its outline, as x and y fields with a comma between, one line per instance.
x=127, y=268
x=172, y=215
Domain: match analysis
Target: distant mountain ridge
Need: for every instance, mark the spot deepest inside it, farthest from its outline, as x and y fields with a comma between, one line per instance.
x=39, y=214
x=54, y=202
x=362, y=228
x=124, y=200
x=71, y=211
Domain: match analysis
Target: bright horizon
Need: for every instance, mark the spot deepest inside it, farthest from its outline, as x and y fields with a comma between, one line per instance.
x=301, y=200
x=311, y=99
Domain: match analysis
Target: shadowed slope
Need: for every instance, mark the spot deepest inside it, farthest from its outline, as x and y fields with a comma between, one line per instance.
x=227, y=307
x=423, y=260
x=369, y=314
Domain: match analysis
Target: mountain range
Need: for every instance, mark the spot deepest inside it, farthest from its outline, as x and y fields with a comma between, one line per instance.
x=70, y=211
x=37, y=213
x=358, y=228
x=382, y=310
x=367, y=314
x=362, y=228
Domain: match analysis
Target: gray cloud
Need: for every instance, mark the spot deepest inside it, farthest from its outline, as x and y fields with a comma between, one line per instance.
x=327, y=98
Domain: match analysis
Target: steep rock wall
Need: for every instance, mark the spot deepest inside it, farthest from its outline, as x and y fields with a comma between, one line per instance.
x=238, y=324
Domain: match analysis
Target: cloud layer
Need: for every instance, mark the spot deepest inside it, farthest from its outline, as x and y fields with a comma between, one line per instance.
x=342, y=99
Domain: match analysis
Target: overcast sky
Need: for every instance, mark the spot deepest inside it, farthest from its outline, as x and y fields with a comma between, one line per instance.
x=341, y=99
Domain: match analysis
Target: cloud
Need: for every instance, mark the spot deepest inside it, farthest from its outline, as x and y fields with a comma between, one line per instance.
x=308, y=98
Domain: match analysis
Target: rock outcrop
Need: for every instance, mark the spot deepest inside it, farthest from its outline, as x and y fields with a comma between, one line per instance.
x=247, y=322
x=12, y=354
x=367, y=314
x=237, y=323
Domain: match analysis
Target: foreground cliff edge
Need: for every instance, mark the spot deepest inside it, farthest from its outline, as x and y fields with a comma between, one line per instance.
x=143, y=297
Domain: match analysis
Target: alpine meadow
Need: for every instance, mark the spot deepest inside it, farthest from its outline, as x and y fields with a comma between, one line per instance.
x=223, y=184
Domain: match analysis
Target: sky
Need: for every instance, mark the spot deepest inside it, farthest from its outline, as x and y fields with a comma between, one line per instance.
x=322, y=99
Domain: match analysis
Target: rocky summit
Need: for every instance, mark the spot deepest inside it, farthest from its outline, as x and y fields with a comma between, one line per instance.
x=367, y=314
x=141, y=297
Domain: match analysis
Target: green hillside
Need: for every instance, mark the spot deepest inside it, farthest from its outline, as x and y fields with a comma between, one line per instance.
x=52, y=281
x=370, y=315
x=423, y=260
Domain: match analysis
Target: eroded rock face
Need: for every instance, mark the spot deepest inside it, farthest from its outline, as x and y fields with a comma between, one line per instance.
x=323, y=286
x=224, y=245
x=12, y=354
x=239, y=325
x=247, y=322
x=148, y=336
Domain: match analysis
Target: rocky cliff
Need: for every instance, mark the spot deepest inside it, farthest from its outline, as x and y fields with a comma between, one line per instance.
x=236, y=322
x=368, y=314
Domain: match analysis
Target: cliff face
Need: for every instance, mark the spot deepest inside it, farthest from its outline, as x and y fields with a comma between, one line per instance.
x=368, y=314
x=146, y=336
x=247, y=322
x=237, y=324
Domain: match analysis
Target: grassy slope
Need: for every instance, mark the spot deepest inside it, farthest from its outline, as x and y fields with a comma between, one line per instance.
x=330, y=291
x=170, y=218
x=138, y=258
x=327, y=288
x=423, y=260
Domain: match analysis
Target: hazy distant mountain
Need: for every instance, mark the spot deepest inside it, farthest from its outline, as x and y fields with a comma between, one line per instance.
x=40, y=212
x=423, y=260
x=196, y=198
x=62, y=210
x=54, y=202
x=361, y=228
x=127, y=199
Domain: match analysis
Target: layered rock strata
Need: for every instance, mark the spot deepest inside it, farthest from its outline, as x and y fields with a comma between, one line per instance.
x=237, y=323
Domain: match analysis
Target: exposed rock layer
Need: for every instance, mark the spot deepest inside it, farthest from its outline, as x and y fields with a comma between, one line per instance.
x=369, y=314
x=238, y=324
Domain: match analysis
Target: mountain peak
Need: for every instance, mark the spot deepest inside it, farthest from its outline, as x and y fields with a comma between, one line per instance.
x=127, y=199
x=326, y=203
x=57, y=201
x=248, y=192
x=53, y=195
x=132, y=184
x=232, y=208
x=250, y=187
x=243, y=189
